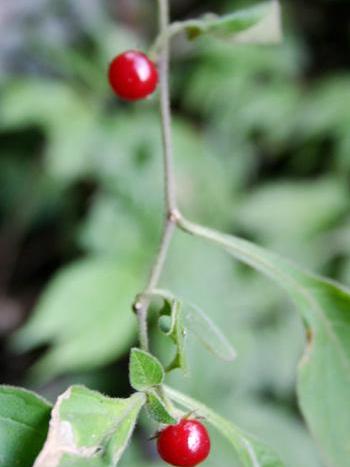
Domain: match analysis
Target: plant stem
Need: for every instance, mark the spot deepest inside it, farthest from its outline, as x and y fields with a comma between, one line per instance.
x=143, y=300
x=169, y=171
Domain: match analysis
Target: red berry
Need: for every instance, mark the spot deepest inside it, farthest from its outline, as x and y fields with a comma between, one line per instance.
x=133, y=75
x=185, y=444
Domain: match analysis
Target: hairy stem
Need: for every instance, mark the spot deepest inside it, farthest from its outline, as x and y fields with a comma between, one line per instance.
x=169, y=171
x=143, y=300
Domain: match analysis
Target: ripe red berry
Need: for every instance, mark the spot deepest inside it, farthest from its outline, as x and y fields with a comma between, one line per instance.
x=185, y=444
x=133, y=75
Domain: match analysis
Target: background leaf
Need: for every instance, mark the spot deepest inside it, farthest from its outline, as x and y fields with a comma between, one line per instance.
x=304, y=209
x=86, y=314
x=145, y=370
x=251, y=452
x=24, y=423
x=87, y=428
x=70, y=141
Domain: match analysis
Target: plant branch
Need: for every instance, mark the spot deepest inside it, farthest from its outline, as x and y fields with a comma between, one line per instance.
x=142, y=302
x=169, y=171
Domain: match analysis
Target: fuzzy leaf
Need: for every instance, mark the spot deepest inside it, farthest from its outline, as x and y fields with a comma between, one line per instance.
x=145, y=370
x=157, y=409
x=89, y=429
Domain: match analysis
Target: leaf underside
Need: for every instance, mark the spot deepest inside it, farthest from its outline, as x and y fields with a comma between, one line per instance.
x=157, y=410
x=324, y=372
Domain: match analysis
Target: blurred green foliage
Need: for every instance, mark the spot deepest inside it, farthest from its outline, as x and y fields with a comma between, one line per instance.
x=260, y=151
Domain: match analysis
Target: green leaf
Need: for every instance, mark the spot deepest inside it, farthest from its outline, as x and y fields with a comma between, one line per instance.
x=89, y=429
x=157, y=409
x=176, y=332
x=24, y=423
x=292, y=210
x=251, y=452
x=145, y=370
x=208, y=333
x=324, y=373
x=255, y=24
x=85, y=313
x=195, y=320
x=70, y=140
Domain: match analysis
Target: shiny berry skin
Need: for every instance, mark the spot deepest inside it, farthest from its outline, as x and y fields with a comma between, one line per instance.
x=133, y=76
x=185, y=444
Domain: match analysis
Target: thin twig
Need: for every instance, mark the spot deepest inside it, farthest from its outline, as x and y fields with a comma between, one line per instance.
x=169, y=171
x=143, y=300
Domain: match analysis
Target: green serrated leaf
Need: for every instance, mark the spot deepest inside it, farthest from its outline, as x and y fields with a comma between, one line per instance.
x=89, y=429
x=85, y=313
x=157, y=409
x=251, y=452
x=145, y=370
x=260, y=23
x=324, y=373
x=24, y=423
x=176, y=332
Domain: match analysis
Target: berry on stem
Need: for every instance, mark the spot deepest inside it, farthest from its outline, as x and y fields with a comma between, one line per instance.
x=133, y=76
x=185, y=444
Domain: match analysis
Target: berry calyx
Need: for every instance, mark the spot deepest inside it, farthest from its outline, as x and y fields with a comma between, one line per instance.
x=185, y=444
x=133, y=76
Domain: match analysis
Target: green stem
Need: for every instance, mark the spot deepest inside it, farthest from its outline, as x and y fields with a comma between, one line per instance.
x=142, y=302
x=173, y=30
x=165, y=107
